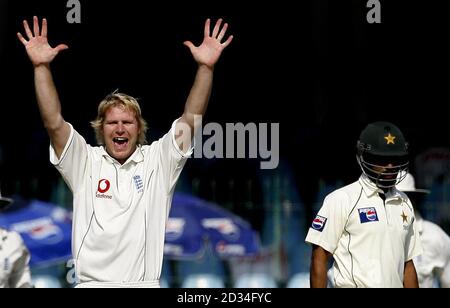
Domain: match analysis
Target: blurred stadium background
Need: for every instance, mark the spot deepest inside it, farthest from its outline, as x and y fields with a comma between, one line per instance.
x=316, y=67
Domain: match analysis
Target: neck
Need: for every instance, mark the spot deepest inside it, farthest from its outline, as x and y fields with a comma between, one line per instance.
x=385, y=190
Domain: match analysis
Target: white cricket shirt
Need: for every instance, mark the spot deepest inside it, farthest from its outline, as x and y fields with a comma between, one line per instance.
x=434, y=263
x=120, y=211
x=370, y=239
x=14, y=258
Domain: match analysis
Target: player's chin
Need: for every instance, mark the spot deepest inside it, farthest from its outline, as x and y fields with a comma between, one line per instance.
x=121, y=154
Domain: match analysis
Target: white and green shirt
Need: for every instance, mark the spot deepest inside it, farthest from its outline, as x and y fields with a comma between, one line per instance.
x=370, y=238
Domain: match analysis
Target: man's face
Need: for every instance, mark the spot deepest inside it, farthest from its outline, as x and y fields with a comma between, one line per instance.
x=120, y=132
x=387, y=172
x=383, y=171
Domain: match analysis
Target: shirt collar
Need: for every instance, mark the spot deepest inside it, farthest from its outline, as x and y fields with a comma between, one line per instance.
x=368, y=186
x=371, y=189
x=136, y=157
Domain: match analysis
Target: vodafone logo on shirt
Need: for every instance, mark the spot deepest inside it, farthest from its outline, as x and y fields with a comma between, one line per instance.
x=103, y=187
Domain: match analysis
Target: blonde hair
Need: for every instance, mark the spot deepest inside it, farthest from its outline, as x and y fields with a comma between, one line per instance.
x=129, y=103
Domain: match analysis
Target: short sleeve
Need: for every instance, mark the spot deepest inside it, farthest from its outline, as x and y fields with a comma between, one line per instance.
x=73, y=161
x=171, y=158
x=327, y=227
x=413, y=247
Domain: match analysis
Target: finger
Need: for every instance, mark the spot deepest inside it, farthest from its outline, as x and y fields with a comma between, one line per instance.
x=61, y=47
x=27, y=30
x=36, y=26
x=44, y=27
x=217, y=28
x=222, y=33
x=228, y=41
x=21, y=38
x=207, y=27
x=189, y=44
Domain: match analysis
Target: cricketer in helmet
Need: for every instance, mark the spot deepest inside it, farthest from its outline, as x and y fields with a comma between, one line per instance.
x=368, y=227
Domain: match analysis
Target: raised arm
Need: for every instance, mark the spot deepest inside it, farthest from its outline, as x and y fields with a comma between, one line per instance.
x=206, y=55
x=41, y=55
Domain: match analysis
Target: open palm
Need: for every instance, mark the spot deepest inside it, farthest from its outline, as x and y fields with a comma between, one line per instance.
x=208, y=53
x=38, y=49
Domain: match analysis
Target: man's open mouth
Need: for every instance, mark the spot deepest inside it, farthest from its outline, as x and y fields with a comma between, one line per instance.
x=120, y=141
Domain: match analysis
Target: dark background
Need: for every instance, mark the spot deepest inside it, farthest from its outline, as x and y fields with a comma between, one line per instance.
x=316, y=67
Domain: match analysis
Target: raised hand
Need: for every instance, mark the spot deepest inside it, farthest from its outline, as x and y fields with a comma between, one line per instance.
x=38, y=49
x=208, y=53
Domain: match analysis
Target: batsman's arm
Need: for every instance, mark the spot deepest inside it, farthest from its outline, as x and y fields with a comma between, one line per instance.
x=319, y=267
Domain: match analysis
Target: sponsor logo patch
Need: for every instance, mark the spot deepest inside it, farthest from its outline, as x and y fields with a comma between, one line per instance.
x=103, y=187
x=368, y=215
x=319, y=223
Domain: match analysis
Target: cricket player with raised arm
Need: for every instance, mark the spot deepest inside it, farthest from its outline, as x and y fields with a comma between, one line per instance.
x=122, y=189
